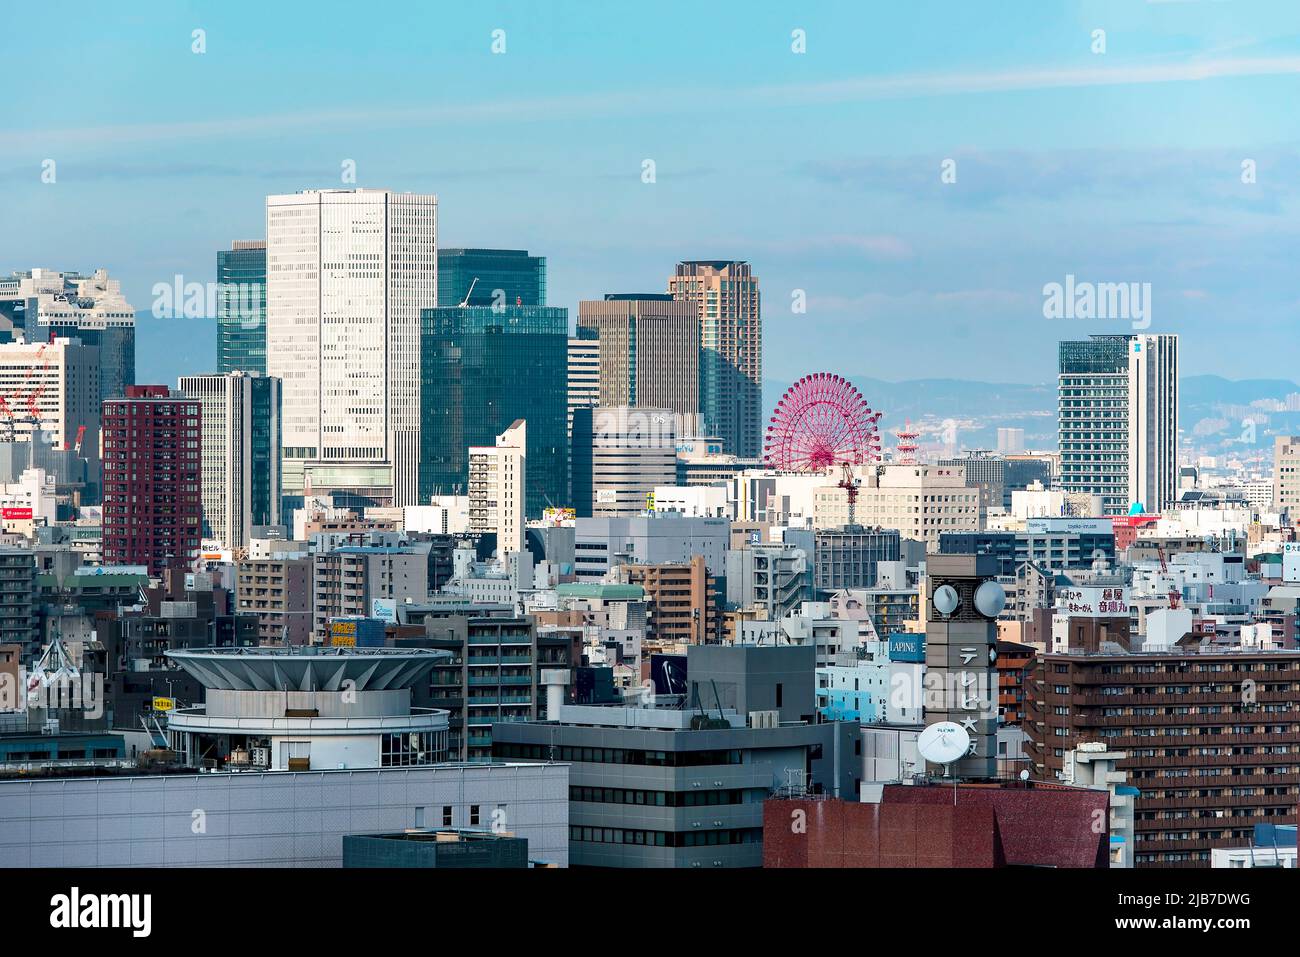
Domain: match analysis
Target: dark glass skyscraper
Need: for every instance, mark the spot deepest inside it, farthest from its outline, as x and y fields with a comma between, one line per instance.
x=521, y=278
x=481, y=369
x=265, y=499
x=241, y=307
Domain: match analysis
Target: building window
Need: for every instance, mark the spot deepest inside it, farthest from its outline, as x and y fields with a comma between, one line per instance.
x=414, y=748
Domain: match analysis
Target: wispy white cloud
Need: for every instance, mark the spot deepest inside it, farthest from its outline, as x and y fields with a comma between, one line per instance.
x=547, y=109
x=904, y=86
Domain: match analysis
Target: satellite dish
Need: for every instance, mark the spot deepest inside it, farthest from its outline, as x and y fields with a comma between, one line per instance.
x=943, y=742
x=990, y=599
x=946, y=599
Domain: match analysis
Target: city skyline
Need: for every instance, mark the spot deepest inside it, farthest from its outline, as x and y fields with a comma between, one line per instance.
x=844, y=144
x=550, y=435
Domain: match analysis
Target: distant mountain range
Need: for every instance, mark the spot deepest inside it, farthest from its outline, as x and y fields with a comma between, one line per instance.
x=1218, y=416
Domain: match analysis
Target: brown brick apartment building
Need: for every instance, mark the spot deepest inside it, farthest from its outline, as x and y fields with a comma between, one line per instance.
x=681, y=601
x=1213, y=740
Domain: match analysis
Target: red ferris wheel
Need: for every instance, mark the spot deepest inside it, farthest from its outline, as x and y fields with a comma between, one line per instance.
x=822, y=422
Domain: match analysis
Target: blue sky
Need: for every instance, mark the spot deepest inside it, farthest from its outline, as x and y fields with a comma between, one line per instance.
x=822, y=169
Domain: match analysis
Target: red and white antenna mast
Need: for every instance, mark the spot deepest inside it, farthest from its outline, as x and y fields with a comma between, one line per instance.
x=907, y=446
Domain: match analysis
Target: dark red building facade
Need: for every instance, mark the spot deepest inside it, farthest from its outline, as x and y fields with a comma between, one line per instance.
x=912, y=826
x=152, y=479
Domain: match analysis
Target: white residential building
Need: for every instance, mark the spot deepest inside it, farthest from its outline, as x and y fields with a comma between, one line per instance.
x=497, y=501
x=348, y=272
x=698, y=501
x=444, y=515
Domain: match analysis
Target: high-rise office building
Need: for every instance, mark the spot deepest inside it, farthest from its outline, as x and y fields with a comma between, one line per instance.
x=241, y=307
x=491, y=277
x=1118, y=404
x=482, y=369
x=731, y=350
x=497, y=500
x=42, y=305
x=153, y=505
x=49, y=391
x=241, y=453
x=632, y=451
x=649, y=350
x=348, y=272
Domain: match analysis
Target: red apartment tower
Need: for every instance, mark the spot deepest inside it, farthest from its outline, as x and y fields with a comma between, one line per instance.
x=152, y=496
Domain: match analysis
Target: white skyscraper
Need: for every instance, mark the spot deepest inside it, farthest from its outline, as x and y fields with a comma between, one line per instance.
x=1118, y=405
x=496, y=488
x=347, y=273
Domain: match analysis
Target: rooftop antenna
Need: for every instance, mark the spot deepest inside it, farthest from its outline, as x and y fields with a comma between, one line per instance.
x=943, y=743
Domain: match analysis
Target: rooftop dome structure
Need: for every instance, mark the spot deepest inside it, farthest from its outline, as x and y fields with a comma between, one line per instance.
x=302, y=709
x=307, y=668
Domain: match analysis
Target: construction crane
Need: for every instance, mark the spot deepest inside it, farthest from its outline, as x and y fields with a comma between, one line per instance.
x=40, y=362
x=850, y=485
x=8, y=419
x=464, y=303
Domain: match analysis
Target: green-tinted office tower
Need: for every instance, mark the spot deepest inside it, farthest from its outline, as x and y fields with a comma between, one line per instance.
x=267, y=467
x=241, y=307
x=481, y=369
x=521, y=278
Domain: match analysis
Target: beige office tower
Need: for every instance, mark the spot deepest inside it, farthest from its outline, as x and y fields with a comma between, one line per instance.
x=496, y=488
x=1286, y=474
x=725, y=295
x=632, y=451
x=649, y=350
x=347, y=273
